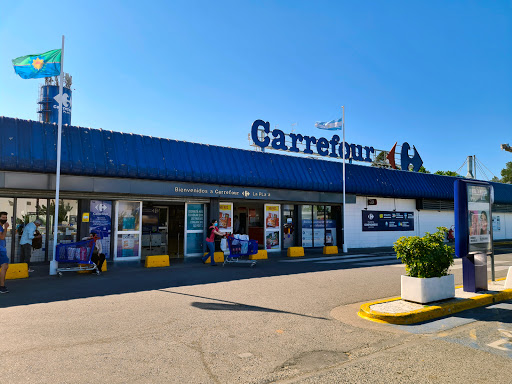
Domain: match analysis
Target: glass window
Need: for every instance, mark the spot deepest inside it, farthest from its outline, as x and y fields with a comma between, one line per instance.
x=67, y=226
x=27, y=210
x=7, y=205
x=318, y=225
x=307, y=226
x=128, y=216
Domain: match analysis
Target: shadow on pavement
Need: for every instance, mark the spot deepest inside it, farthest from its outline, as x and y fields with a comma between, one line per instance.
x=225, y=305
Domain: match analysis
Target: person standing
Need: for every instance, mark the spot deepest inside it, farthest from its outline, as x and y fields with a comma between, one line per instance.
x=26, y=241
x=210, y=242
x=4, y=260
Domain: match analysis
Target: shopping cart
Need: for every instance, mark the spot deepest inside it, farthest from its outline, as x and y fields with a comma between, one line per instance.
x=240, y=248
x=76, y=257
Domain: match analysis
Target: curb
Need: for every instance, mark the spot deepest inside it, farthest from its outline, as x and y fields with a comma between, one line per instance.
x=430, y=312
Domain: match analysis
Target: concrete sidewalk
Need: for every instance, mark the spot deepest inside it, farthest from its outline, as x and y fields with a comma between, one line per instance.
x=398, y=311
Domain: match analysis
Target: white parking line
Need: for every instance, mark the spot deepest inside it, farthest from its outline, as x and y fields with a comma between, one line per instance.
x=359, y=260
x=298, y=260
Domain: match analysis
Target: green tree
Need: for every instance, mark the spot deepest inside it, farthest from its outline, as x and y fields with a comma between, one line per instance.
x=63, y=211
x=423, y=170
x=381, y=161
x=496, y=179
x=506, y=173
x=447, y=173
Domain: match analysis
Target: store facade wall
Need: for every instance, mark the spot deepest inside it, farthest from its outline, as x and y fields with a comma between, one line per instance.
x=357, y=238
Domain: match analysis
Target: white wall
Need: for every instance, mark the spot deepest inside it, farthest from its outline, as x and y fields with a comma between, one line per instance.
x=505, y=231
x=424, y=221
x=356, y=238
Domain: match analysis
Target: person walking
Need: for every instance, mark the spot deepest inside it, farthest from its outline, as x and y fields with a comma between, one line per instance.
x=26, y=241
x=210, y=242
x=4, y=260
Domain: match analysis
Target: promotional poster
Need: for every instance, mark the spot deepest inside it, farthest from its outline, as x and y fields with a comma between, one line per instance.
x=100, y=221
x=479, y=208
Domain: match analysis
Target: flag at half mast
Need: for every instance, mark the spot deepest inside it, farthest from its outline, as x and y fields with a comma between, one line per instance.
x=333, y=125
x=40, y=65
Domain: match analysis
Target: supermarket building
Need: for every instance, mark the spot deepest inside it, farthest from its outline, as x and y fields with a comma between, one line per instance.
x=148, y=196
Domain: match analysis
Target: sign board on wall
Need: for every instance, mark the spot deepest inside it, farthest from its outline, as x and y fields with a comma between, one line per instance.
x=387, y=221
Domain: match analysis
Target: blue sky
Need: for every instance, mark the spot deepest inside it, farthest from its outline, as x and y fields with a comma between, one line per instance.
x=437, y=74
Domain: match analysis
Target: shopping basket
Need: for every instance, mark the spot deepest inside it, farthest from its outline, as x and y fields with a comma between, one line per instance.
x=76, y=257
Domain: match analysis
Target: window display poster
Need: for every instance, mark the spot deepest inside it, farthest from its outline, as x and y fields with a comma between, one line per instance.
x=225, y=217
x=271, y=216
x=128, y=216
x=272, y=240
x=128, y=245
x=195, y=217
x=272, y=213
x=100, y=221
x=478, y=218
x=322, y=233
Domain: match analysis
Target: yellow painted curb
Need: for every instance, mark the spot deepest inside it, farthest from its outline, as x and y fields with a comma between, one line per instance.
x=295, y=252
x=330, y=250
x=217, y=256
x=432, y=311
x=261, y=255
x=17, y=271
x=157, y=261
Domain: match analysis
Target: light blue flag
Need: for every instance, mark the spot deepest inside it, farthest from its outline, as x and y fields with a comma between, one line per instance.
x=333, y=125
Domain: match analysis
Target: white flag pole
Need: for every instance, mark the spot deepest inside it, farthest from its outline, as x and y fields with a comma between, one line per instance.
x=343, y=154
x=54, y=264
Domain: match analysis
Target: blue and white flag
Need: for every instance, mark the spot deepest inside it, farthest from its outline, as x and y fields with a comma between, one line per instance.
x=333, y=125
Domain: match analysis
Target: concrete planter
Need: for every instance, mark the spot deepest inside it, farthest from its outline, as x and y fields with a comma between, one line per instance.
x=426, y=290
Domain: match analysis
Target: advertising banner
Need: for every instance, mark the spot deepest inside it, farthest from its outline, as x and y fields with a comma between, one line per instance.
x=226, y=217
x=387, y=221
x=100, y=221
x=318, y=233
x=272, y=227
x=479, y=208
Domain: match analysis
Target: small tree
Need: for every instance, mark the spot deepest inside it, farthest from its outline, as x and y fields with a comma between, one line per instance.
x=425, y=256
x=506, y=173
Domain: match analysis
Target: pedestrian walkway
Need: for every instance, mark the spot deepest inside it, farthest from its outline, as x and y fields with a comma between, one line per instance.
x=398, y=311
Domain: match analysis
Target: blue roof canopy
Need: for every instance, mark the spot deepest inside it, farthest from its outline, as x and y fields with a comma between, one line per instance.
x=30, y=146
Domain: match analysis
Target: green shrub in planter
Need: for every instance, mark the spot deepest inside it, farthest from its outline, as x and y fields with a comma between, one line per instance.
x=425, y=256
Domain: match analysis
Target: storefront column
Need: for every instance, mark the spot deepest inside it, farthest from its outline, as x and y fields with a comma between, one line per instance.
x=214, y=210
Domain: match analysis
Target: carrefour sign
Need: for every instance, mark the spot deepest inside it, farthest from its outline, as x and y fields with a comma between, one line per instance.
x=276, y=139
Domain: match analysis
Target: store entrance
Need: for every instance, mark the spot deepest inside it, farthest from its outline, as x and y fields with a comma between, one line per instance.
x=162, y=230
x=250, y=221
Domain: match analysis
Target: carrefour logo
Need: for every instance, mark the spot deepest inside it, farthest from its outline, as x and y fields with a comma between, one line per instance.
x=370, y=216
x=66, y=102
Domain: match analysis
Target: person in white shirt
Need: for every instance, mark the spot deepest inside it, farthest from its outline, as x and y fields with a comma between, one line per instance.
x=26, y=241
